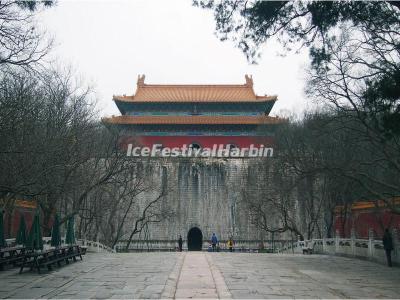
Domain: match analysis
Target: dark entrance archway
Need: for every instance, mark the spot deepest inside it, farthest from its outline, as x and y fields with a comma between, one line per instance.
x=195, y=239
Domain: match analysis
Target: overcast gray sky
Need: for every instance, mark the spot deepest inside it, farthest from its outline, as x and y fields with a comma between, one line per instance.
x=110, y=42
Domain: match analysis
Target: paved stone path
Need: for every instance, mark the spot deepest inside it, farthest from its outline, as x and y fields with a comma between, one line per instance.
x=206, y=275
x=199, y=278
x=305, y=276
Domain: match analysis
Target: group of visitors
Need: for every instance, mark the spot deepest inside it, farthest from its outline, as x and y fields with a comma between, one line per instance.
x=214, y=243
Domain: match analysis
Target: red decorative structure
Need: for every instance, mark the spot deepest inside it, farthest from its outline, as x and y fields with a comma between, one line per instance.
x=11, y=222
x=200, y=115
x=365, y=216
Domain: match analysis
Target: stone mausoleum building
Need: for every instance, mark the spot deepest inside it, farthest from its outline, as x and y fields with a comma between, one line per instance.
x=206, y=192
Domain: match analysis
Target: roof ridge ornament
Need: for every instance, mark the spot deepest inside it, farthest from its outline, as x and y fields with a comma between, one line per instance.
x=140, y=80
x=249, y=80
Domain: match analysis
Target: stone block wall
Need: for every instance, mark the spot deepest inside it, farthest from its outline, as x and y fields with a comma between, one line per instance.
x=203, y=193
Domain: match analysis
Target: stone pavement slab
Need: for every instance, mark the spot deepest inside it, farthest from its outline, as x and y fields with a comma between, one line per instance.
x=100, y=276
x=195, y=279
x=206, y=275
x=262, y=276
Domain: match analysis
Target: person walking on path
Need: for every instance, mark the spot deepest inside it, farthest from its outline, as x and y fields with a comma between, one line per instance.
x=388, y=246
x=230, y=244
x=214, y=242
x=180, y=243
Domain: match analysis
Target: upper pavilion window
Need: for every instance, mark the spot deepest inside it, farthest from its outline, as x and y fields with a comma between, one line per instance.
x=195, y=145
x=233, y=146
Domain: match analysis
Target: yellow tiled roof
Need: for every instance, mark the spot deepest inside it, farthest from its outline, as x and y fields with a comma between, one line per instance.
x=360, y=205
x=199, y=120
x=195, y=93
x=22, y=203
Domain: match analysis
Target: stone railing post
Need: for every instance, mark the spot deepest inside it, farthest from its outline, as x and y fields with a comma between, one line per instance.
x=353, y=242
x=337, y=237
x=371, y=243
x=98, y=246
x=323, y=245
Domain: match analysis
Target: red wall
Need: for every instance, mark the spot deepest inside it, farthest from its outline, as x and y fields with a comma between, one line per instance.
x=15, y=219
x=363, y=220
x=203, y=141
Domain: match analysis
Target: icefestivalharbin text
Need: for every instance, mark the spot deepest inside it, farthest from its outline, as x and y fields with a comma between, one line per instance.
x=157, y=150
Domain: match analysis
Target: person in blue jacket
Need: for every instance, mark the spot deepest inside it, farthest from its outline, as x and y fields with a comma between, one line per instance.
x=214, y=242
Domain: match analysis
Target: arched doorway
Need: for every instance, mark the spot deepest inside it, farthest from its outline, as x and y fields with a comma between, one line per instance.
x=195, y=239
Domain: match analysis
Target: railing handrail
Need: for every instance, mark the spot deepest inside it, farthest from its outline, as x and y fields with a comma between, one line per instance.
x=82, y=242
x=95, y=244
x=371, y=248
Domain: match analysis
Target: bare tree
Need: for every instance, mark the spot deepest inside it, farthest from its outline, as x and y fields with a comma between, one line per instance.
x=21, y=42
x=359, y=81
x=46, y=128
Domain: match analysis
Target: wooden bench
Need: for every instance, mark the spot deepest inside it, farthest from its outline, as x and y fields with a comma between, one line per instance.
x=50, y=257
x=12, y=255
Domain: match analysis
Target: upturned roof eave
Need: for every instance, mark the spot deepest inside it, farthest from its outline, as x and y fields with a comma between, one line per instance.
x=193, y=120
x=258, y=99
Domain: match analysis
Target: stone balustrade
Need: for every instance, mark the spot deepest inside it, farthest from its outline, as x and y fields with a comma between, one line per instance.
x=370, y=249
x=171, y=245
x=92, y=246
